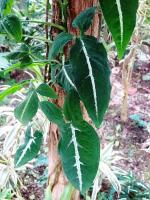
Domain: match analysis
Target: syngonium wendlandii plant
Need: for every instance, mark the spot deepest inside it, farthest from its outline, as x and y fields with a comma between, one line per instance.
x=85, y=76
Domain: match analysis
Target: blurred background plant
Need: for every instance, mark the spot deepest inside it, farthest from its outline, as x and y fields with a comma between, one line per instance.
x=131, y=189
x=11, y=137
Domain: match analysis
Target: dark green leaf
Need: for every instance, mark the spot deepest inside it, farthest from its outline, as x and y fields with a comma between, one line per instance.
x=12, y=89
x=26, y=61
x=120, y=16
x=60, y=41
x=79, y=150
x=72, y=110
x=12, y=26
x=52, y=112
x=37, y=52
x=89, y=75
x=18, y=53
x=84, y=19
x=62, y=80
x=27, y=109
x=30, y=148
x=46, y=90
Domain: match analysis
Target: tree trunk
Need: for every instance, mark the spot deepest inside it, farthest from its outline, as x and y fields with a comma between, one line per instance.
x=57, y=180
x=75, y=7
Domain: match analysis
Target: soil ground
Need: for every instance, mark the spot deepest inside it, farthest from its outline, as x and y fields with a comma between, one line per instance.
x=131, y=137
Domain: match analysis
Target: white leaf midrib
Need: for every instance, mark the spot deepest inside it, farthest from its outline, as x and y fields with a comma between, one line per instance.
x=66, y=74
x=26, y=105
x=91, y=77
x=31, y=140
x=77, y=156
x=68, y=78
x=120, y=19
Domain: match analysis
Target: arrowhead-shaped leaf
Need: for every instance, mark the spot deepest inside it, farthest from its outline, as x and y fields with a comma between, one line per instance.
x=12, y=26
x=120, y=16
x=46, y=91
x=27, y=109
x=89, y=75
x=80, y=151
x=84, y=19
x=26, y=61
x=60, y=41
x=30, y=148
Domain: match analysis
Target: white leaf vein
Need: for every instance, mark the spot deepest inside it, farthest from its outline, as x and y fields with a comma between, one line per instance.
x=77, y=156
x=120, y=18
x=25, y=150
x=66, y=75
x=25, y=107
x=91, y=77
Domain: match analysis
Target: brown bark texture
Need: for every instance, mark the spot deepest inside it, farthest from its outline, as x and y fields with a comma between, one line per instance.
x=77, y=6
x=57, y=180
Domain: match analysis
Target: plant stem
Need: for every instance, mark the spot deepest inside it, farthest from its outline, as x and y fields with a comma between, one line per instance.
x=47, y=67
x=46, y=23
x=47, y=61
x=38, y=38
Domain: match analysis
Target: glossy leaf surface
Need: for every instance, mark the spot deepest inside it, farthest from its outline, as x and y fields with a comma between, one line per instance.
x=120, y=16
x=79, y=151
x=89, y=74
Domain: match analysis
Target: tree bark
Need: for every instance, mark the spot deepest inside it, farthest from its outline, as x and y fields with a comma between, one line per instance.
x=77, y=6
x=57, y=180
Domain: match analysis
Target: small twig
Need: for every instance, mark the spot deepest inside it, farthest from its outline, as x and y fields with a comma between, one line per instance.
x=38, y=38
x=46, y=23
x=47, y=67
x=126, y=78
